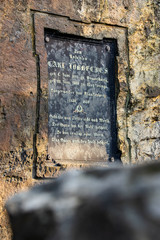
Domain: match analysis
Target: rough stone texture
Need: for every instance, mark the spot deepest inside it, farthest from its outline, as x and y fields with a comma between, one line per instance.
x=115, y=203
x=138, y=103
x=19, y=73
x=9, y=185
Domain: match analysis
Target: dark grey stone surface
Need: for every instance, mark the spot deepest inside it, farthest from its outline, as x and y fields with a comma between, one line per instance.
x=96, y=204
x=81, y=104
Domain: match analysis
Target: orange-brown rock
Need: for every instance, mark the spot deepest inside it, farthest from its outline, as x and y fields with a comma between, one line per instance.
x=23, y=129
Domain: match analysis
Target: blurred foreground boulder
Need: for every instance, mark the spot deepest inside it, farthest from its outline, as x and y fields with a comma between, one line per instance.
x=95, y=204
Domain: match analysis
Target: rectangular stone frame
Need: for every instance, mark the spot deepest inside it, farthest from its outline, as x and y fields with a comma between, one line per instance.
x=89, y=30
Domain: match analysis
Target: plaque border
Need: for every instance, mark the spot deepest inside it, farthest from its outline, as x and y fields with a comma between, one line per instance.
x=96, y=31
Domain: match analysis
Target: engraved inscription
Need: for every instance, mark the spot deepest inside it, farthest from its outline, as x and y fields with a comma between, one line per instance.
x=79, y=95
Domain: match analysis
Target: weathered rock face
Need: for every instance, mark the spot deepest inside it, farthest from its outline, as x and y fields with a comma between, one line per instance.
x=23, y=80
x=135, y=22
x=94, y=204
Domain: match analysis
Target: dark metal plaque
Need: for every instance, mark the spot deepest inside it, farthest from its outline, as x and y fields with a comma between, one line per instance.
x=81, y=105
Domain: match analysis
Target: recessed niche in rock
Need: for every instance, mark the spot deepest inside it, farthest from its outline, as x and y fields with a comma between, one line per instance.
x=81, y=102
